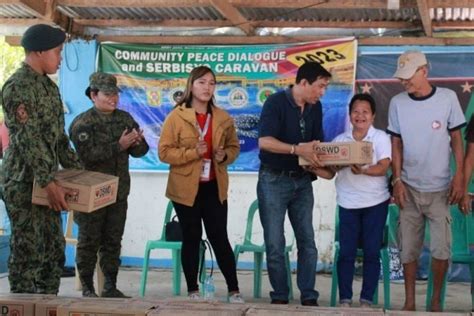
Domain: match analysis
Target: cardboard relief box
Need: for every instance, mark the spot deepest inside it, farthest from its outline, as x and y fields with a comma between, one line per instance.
x=49, y=307
x=29, y=304
x=342, y=153
x=199, y=308
x=16, y=306
x=107, y=307
x=89, y=190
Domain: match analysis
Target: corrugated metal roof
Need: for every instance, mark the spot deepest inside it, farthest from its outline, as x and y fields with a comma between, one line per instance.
x=15, y=11
x=208, y=13
x=310, y=14
x=452, y=14
x=188, y=13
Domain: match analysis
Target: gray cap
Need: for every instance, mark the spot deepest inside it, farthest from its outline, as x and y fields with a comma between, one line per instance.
x=408, y=63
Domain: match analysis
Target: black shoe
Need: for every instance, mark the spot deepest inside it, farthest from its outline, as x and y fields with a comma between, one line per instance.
x=310, y=302
x=279, y=302
x=89, y=293
x=114, y=293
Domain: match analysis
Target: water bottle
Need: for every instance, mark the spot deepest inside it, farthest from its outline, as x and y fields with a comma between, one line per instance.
x=209, y=288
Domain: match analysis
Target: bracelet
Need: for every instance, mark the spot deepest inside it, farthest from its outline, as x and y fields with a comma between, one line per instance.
x=394, y=181
x=293, y=149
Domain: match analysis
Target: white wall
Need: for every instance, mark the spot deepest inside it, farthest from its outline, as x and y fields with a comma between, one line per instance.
x=147, y=205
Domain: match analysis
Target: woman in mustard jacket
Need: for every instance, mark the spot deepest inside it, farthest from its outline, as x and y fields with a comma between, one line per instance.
x=199, y=141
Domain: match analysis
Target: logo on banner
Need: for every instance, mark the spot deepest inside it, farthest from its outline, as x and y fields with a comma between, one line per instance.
x=175, y=95
x=238, y=97
x=153, y=97
x=264, y=93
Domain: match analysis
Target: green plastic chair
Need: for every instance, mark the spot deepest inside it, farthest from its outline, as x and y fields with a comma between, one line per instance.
x=259, y=250
x=175, y=247
x=461, y=228
x=385, y=263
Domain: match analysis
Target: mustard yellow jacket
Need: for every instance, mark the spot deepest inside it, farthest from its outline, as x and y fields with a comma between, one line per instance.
x=177, y=147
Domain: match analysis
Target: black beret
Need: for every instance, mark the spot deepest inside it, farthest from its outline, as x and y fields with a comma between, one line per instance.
x=42, y=37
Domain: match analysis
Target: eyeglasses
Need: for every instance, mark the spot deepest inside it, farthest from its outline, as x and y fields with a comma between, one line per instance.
x=302, y=127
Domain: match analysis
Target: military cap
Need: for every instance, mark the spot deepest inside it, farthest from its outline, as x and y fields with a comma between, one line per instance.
x=103, y=82
x=42, y=37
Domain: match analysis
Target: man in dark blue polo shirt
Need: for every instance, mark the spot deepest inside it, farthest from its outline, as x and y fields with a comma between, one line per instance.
x=290, y=125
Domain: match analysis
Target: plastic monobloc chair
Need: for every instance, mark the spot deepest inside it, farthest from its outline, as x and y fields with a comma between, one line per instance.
x=259, y=250
x=383, y=255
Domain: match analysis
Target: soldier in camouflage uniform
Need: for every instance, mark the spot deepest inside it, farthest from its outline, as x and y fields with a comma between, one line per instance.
x=38, y=144
x=104, y=138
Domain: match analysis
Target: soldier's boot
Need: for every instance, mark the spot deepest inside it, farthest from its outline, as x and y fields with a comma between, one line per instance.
x=110, y=288
x=88, y=286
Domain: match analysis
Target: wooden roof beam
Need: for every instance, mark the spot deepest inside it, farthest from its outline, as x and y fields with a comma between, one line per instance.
x=461, y=41
x=424, y=12
x=36, y=7
x=205, y=40
x=321, y=4
x=223, y=40
x=452, y=25
x=233, y=15
x=339, y=24
x=264, y=23
x=19, y=22
x=134, y=3
x=451, y=3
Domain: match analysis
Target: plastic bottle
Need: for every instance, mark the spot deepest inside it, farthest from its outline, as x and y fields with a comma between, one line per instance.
x=209, y=288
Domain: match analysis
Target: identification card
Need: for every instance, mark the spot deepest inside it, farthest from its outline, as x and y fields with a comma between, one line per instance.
x=206, y=170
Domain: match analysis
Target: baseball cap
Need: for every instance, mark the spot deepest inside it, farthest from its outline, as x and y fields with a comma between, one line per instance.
x=408, y=63
x=103, y=82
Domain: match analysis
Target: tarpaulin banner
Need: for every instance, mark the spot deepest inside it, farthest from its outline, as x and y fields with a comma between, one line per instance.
x=153, y=77
x=449, y=67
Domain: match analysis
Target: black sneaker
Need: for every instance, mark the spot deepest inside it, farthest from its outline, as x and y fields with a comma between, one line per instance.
x=279, y=302
x=310, y=302
x=116, y=293
x=89, y=293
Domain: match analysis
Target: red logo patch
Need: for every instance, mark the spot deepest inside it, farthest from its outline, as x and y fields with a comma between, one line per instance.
x=436, y=125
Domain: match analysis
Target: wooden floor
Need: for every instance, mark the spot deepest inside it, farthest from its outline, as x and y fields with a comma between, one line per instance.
x=458, y=300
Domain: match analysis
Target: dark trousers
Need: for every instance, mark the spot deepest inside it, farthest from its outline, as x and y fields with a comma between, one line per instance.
x=208, y=209
x=37, y=243
x=360, y=228
x=100, y=232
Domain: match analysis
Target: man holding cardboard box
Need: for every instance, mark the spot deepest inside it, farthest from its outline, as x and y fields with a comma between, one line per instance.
x=425, y=125
x=290, y=126
x=38, y=144
x=104, y=137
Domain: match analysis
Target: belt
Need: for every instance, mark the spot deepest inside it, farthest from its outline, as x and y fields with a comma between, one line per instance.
x=289, y=173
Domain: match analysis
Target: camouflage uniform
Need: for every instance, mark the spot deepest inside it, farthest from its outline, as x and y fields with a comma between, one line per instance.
x=95, y=136
x=35, y=118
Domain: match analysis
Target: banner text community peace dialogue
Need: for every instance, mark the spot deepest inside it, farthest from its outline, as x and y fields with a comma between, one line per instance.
x=167, y=62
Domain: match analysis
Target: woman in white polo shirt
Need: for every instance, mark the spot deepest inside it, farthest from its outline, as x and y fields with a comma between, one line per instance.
x=363, y=198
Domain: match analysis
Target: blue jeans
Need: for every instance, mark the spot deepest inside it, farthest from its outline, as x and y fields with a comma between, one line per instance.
x=360, y=228
x=276, y=194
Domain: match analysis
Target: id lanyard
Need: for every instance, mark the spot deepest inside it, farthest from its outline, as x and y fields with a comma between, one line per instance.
x=203, y=132
x=206, y=166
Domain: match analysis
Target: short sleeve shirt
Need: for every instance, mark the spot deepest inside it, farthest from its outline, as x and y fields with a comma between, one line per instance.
x=424, y=125
x=360, y=191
